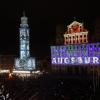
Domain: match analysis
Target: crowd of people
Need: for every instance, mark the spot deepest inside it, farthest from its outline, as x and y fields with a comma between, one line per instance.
x=50, y=86
x=4, y=94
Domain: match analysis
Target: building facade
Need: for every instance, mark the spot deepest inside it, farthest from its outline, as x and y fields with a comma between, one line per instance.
x=76, y=53
x=75, y=34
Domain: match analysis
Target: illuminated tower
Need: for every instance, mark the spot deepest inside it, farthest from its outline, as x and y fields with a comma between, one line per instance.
x=24, y=38
x=75, y=34
x=24, y=62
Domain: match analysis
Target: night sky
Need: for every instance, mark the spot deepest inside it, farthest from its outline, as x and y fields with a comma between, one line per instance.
x=43, y=17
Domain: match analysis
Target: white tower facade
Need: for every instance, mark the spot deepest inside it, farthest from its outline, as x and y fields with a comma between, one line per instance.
x=24, y=38
x=25, y=62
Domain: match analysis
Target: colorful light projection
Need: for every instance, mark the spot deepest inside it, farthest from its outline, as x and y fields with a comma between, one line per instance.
x=76, y=54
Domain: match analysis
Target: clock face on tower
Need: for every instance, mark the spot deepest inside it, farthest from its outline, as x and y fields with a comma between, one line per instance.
x=23, y=62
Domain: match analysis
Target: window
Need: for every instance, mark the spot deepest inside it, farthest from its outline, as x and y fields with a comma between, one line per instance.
x=90, y=46
x=95, y=46
x=73, y=41
x=84, y=40
x=84, y=35
x=77, y=41
x=80, y=28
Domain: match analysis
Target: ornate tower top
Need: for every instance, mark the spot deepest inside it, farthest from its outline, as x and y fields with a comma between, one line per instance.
x=75, y=27
x=75, y=34
x=24, y=21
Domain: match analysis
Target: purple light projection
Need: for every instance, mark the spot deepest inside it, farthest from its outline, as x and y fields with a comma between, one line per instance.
x=76, y=54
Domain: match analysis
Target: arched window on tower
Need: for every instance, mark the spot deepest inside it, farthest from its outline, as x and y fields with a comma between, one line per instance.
x=81, y=29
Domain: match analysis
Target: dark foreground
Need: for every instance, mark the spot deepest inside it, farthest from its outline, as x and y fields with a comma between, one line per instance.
x=51, y=86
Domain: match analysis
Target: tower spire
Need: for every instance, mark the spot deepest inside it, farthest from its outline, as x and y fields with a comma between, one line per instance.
x=24, y=20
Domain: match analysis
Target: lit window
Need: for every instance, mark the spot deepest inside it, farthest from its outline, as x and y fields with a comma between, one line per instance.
x=81, y=36
x=84, y=35
x=84, y=40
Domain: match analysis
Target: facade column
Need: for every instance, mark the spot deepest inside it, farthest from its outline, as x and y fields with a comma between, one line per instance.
x=86, y=38
x=78, y=39
x=82, y=38
x=71, y=39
